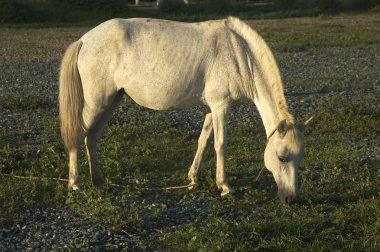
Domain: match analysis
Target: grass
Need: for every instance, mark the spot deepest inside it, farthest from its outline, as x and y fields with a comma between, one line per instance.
x=339, y=209
x=28, y=11
x=292, y=34
x=319, y=32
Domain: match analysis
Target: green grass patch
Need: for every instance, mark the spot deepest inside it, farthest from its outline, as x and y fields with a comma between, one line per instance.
x=339, y=208
x=296, y=229
x=21, y=103
x=319, y=32
x=49, y=43
x=18, y=11
x=347, y=121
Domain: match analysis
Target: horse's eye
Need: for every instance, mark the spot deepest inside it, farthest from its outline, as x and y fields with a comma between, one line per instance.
x=283, y=159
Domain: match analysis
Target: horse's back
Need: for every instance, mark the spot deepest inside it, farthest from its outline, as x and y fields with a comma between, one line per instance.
x=160, y=64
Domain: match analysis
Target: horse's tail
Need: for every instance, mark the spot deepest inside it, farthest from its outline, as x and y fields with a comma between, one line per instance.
x=70, y=97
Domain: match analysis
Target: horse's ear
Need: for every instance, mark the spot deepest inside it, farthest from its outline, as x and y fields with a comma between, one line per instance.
x=282, y=128
x=301, y=126
x=308, y=121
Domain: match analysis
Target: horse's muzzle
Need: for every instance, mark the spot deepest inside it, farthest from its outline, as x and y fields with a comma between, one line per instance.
x=288, y=198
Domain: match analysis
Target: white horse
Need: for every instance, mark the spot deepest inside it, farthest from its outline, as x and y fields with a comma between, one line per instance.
x=166, y=65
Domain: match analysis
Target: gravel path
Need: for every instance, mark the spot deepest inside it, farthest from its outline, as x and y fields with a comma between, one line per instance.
x=312, y=78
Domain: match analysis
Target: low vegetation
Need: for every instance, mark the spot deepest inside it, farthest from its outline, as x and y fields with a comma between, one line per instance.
x=63, y=11
x=143, y=153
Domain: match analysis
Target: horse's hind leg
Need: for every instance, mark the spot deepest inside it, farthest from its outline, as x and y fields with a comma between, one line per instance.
x=93, y=136
x=73, y=166
x=202, y=143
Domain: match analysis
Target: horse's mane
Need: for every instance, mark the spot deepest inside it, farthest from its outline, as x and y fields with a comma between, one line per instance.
x=266, y=60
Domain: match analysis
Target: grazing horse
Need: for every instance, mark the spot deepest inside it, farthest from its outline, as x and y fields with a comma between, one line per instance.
x=165, y=65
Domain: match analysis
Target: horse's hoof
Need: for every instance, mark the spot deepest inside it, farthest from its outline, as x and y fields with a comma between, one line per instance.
x=227, y=190
x=73, y=187
x=98, y=181
x=191, y=186
x=193, y=182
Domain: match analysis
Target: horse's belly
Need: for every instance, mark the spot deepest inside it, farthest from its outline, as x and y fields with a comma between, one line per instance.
x=154, y=96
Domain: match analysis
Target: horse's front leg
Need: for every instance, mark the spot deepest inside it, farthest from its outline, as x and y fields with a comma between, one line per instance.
x=219, y=121
x=202, y=143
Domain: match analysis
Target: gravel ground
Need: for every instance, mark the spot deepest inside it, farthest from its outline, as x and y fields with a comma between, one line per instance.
x=312, y=78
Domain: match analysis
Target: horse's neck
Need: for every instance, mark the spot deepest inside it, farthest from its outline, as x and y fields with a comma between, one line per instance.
x=265, y=86
x=268, y=111
x=268, y=94
x=270, y=101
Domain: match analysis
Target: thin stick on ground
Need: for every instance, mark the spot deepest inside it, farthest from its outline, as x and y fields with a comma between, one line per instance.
x=111, y=184
x=32, y=177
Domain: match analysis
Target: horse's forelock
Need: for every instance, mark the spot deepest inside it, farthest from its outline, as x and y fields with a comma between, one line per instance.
x=294, y=138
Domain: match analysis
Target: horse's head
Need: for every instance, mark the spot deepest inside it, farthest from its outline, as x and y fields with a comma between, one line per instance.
x=282, y=157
